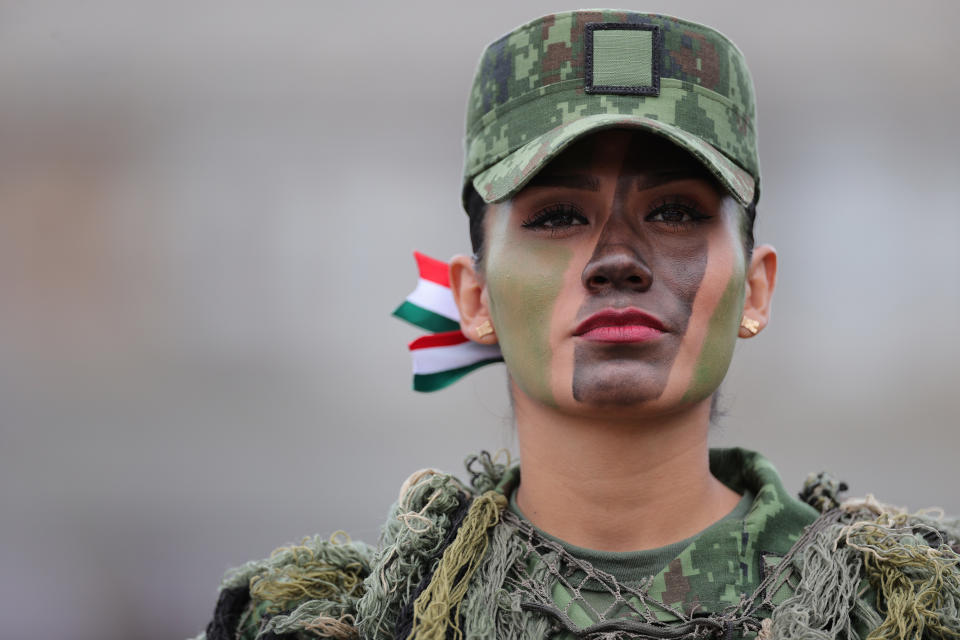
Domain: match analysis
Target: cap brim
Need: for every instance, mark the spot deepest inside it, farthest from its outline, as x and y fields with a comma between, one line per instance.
x=505, y=178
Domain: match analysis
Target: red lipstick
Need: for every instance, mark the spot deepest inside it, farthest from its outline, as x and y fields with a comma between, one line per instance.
x=620, y=325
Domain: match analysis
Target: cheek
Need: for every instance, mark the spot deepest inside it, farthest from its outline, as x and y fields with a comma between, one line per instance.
x=715, y=319
x=523, y=283
x=718, y=342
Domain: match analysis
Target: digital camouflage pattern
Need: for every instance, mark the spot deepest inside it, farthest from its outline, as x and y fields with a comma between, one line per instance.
x=710, y=576
x=529, y=101
x=778, y=570
x=729, y=560
x=723, y=565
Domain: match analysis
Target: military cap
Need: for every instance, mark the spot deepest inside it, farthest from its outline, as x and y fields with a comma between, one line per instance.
x=563, y=76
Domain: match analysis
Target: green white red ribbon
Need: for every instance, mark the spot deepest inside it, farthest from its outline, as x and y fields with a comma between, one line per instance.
x=445, y=356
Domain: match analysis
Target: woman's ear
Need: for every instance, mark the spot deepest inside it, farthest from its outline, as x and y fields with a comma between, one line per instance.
x=470, y=295
x=761, y=280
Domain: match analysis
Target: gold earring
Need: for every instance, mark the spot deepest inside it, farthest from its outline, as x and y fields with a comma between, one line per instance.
x=751, y=325
x=484, y=329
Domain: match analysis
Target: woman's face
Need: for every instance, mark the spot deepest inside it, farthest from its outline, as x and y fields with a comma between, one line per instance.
x=615, y=279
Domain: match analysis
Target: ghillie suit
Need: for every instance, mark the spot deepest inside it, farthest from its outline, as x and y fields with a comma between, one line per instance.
x=459, y=562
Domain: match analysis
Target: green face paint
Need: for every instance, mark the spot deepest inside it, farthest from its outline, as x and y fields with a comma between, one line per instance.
x=717, y=349
x=524, y=275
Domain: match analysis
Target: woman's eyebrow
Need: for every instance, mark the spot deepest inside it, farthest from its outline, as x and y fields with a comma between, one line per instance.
x=567, y=180
x=655, y=179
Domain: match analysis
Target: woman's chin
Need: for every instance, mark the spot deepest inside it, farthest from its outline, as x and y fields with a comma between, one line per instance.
x=622, y=383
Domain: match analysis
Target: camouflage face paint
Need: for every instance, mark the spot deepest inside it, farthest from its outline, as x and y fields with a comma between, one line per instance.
x=717, y=350
x=524, y=276
x=721, y=335
x=610, y=374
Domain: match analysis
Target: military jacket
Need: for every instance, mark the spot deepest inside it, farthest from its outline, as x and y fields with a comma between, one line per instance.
x=454, y=562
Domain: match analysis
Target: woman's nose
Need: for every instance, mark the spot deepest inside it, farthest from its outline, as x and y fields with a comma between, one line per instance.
x=616, y=267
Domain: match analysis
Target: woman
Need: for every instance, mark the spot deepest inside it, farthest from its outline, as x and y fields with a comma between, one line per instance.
x=611, y=182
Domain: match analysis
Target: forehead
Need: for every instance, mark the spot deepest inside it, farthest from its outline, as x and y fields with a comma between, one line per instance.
x=624, y=150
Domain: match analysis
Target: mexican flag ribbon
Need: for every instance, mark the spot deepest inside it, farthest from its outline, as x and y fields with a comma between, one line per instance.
x=446, y=355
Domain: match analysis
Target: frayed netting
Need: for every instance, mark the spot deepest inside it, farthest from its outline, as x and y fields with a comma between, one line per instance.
x=412, y=544
x=545, y=569
x=331, y=571
x=454, y=565
x=310, y=589
x=337, y=551
x=491, y=611
x=315, y=618
x=824, y=600
x=436, y=610
x=908, y=563
x=487, y=471
x=912, y=561
x=860, y=570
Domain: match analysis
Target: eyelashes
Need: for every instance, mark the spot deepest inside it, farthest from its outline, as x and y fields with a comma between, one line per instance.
x=677, y=213
x=556, y=218
x=672, y=213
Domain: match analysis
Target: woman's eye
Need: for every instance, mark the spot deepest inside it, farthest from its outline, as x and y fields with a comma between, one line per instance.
x=557, y=217
x=671, y=215
x=676, y=215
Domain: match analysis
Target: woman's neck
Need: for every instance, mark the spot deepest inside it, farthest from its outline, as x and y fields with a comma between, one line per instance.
x=615, y=486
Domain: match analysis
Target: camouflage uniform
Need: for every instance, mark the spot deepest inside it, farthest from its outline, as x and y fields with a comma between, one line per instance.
x=551, y=81
x=454, y=562
x=726, y=582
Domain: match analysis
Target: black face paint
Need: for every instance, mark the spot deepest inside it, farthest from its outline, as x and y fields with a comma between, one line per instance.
x=635, y=266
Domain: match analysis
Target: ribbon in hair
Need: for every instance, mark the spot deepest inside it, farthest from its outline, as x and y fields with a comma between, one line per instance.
x=446, y=355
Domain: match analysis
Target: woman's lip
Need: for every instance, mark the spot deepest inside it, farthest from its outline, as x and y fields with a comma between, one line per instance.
x=625, y=333
x=620, y=325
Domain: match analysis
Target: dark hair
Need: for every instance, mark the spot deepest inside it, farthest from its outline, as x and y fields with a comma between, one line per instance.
x=476, y=210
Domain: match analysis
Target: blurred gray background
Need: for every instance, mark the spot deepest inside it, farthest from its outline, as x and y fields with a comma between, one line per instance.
x=207, y=211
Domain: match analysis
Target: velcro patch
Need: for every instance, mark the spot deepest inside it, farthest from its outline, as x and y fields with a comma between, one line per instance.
x=622, y=58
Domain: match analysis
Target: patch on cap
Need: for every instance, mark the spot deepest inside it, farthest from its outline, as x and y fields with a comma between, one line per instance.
x=622, y=58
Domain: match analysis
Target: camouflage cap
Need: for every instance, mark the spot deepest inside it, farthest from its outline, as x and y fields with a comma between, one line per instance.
x=553, y=80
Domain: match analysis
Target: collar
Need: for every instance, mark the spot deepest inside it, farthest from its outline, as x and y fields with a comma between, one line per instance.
x=727, y=560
